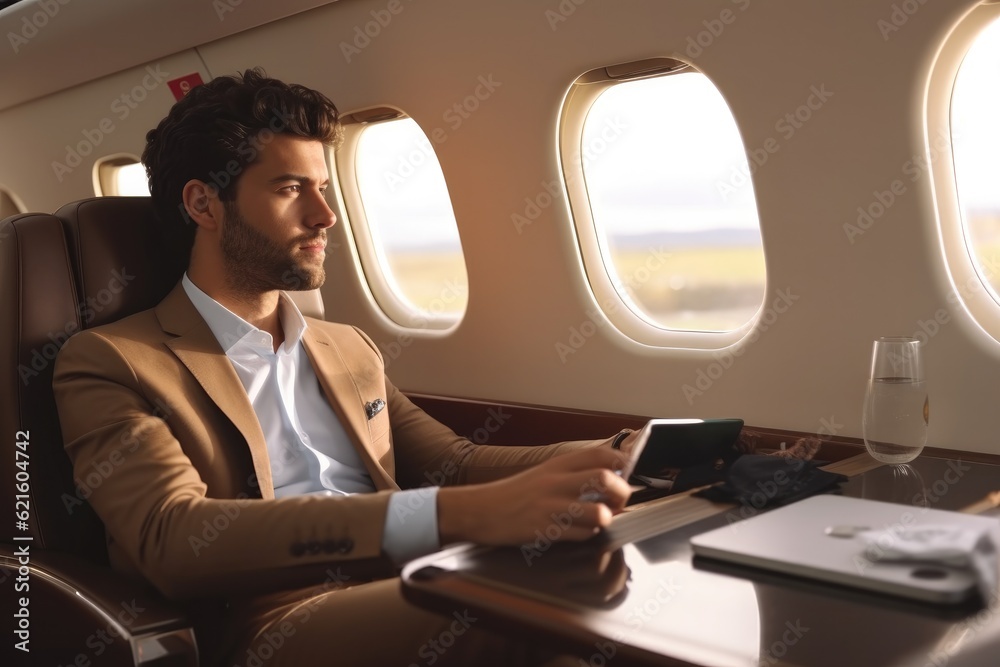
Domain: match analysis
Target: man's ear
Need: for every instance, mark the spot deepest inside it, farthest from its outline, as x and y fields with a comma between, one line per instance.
x=202, y=203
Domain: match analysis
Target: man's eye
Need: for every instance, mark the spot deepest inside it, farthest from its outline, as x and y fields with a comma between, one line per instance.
x=292, y=188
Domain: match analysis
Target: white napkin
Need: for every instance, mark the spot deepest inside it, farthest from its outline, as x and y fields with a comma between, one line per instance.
x=951, y=546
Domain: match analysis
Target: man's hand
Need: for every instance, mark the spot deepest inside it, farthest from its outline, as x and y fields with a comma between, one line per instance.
x=563, y=491
x=626, y=445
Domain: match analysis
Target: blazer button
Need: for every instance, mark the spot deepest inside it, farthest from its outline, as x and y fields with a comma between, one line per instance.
x=345, y=546
x=298, y=549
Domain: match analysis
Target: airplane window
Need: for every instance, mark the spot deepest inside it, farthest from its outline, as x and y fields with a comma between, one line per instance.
x=412, y=225
x=668, y=179
x=976, y=143
x=122, y=177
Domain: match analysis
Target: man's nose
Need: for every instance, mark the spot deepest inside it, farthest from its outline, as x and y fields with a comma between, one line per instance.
x=321, y=215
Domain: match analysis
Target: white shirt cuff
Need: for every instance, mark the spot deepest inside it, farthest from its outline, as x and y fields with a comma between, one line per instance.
x=411, y=528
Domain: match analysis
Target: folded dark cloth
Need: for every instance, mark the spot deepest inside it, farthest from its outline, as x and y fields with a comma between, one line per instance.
x=761, y=481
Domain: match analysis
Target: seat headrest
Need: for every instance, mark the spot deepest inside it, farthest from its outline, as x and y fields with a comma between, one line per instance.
x=125, y=258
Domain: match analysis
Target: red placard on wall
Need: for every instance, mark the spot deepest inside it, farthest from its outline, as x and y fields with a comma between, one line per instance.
x=181, y=86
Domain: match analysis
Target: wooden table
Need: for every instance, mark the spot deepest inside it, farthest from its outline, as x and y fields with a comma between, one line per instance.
x=638, y=597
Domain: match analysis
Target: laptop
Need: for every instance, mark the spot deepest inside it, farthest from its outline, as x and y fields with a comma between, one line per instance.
x=813, y=538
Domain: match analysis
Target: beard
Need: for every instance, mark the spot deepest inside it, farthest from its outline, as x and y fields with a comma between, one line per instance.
x=254, y=263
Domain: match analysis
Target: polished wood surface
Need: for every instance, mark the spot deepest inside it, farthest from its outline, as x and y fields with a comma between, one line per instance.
x=502, y=423
x=639, y=597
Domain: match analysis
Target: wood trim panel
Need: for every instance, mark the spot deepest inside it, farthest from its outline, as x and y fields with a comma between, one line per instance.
x=498, y=423
x=493, y=423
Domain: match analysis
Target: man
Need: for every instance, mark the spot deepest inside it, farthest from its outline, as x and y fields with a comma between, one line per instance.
x=265, y=471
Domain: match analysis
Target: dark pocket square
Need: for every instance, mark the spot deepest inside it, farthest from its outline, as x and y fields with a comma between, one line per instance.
x=372, y=408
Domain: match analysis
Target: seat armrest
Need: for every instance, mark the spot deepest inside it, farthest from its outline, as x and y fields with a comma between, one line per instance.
x=81, y=613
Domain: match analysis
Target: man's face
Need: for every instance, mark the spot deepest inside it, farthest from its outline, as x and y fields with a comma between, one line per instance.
x=274, y=233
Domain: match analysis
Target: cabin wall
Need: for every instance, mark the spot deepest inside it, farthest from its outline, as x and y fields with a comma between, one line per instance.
x=58, y=139
x=528, y=291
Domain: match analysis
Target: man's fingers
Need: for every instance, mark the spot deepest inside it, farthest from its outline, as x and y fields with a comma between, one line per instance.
x=596, y=482
x=628, y=443
x=592, y=517
x=590, y=486
x=597, y=457
x=596, y=515
x=598, y=485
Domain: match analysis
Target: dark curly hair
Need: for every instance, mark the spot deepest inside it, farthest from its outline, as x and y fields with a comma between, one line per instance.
x=219, y=128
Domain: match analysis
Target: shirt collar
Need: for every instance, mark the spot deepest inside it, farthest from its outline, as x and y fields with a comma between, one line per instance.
x=229, y=328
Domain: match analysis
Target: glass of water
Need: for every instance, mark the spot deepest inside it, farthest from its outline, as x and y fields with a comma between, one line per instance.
x=897, y=409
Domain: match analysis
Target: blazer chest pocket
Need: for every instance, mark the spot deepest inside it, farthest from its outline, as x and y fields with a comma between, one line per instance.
x=378, y=420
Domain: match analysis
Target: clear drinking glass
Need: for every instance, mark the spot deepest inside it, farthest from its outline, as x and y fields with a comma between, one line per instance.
x=896, y=403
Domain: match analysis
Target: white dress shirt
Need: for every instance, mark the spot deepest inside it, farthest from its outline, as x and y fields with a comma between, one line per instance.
x=308, y=448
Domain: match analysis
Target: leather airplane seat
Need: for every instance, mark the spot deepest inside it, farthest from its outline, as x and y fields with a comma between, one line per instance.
x=93, y=262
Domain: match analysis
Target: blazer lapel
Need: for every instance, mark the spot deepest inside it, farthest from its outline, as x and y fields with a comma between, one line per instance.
x=199, y=351
x=342, y=393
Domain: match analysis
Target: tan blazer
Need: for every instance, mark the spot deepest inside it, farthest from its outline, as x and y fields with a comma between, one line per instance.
x=166, y=446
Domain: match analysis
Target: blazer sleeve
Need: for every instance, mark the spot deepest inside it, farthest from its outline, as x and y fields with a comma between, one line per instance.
x=428, y=453
x=155, y=505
